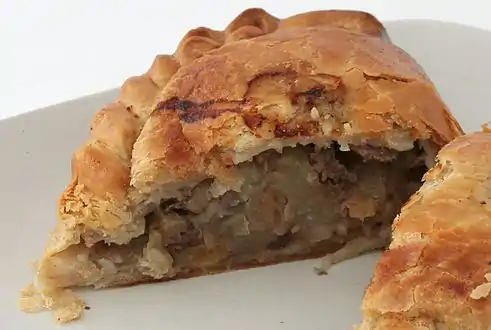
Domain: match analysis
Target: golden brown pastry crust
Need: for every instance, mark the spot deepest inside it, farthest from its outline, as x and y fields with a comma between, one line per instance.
x=97, y=196
x=435, y=272
x=217, y=113
x=225, y=96
x=358, y=65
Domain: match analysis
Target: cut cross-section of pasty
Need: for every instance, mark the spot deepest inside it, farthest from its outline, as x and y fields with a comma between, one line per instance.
x=436, y=273
x=270, y=141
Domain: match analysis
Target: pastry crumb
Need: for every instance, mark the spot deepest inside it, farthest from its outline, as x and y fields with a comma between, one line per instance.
x=350, y=250
x=324, y=265
x=68, y=313
x=31, y=301
x=66, y=306
x=481, y=291
x=314, y=113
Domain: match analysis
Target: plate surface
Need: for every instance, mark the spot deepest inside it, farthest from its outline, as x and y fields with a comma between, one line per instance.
x=36, y=150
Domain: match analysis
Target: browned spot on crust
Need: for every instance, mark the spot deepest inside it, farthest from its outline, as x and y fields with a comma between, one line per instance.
x=396, y=261
x=309, y=96
x=175, y=104
x=292, y=130
x=458, y=288
x=253, y=120
x=190, y=112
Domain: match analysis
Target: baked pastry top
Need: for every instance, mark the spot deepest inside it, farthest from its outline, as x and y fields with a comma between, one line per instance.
x=186, y=173
x=437, y=271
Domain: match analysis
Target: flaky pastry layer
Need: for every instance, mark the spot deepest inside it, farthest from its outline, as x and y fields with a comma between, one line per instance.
x=437, y=271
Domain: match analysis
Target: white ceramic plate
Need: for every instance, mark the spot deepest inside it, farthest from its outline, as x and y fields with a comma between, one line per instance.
x=36, y=148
